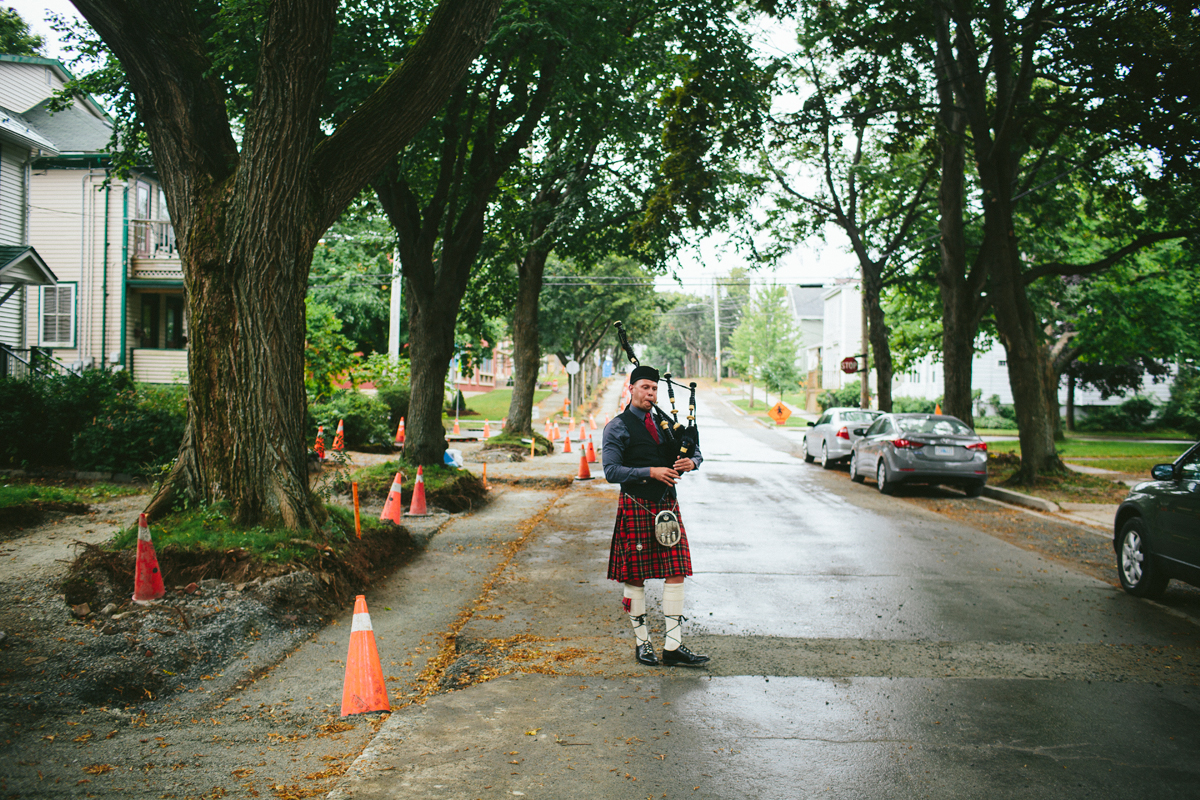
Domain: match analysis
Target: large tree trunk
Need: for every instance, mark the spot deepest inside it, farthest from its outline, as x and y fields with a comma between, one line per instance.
x=527, y=354
x=431, y=346
x=881, y=351
x=959, y=289
x=1030, y=372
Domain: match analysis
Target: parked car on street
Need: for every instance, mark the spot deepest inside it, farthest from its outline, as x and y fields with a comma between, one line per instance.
x=920, y=448
x=1157, y=529
x=830, y=438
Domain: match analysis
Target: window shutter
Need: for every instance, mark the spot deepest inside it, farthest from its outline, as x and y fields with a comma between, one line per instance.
x=58, y=307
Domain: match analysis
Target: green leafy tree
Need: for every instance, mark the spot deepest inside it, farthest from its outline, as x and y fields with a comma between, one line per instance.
x=328, y=354
x=684, y=335
x=231, y=98
x=15, y=37
x=767, y=341
x=581, y=301
x=351, y=274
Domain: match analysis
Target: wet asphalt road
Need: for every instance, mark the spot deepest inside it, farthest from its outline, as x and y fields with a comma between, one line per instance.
x=863, y=647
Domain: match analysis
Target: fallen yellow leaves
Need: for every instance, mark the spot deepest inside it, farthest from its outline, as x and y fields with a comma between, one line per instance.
x=98, y=769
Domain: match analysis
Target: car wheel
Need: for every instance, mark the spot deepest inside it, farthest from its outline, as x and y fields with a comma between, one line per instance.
x=855, y=475
x=825, y=462
x=975, y=489
x=808, y=457
x=1140, y=574
x=882, y=479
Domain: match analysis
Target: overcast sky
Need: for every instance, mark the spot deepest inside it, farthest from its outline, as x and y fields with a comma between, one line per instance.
x=818, y=262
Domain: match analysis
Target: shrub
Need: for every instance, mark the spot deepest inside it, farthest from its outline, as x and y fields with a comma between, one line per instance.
x=1182, y=410
x=364, y=419
x=848, y=395
x=913, y=405
x=395, y=396
x=994, y=422
x=1131, y=415
x=138, y=431
x=44, y=415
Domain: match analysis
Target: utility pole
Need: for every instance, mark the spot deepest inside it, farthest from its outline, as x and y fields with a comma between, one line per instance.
x=717, y=327
x=394, y=318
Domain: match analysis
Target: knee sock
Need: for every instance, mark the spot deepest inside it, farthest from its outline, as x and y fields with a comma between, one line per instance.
x=635, y=605
x=672, y=603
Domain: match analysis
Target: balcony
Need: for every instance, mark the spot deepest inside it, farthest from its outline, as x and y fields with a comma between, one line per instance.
x=154, y=252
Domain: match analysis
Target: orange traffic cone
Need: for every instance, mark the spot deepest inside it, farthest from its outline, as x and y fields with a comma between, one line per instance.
x=591, y=451
x=937, y=409
x=339, y=438
x=557, y=432
x=417, y=509
x=363, y=689
x=400, y=433
x=487, y=431
x=319, y=445
x=457, y=432
x=147, y=577
x=393, y=509
x=567, y=445
x=585, y=474
x=486, y=488
x=592, y=421
x=571, y=431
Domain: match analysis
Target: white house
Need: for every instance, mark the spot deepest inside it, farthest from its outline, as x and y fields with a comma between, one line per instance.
x=118, y=301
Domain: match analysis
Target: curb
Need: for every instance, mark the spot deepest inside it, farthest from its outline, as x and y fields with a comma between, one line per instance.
x=1016, y=498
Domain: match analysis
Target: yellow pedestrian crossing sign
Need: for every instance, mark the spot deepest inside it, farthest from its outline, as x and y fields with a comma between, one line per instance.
x=780, y=413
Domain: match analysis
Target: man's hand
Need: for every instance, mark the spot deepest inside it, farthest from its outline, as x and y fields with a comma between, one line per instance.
x=664, y=474
x=685, y=465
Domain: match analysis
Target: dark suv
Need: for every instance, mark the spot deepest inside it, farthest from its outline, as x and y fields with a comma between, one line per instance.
x=1157, y=530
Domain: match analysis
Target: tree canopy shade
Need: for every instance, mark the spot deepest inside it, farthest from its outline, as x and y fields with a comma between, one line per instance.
x=767, y=341
x=250, y=205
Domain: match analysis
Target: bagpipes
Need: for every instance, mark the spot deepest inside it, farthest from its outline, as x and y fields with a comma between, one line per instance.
x=674, y=434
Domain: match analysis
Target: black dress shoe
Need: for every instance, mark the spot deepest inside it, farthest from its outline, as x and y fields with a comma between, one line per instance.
x=644, y=653
x=682, y=657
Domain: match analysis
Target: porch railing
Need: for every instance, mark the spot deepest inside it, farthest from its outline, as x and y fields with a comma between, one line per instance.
x=31, y=362
x=153, y=238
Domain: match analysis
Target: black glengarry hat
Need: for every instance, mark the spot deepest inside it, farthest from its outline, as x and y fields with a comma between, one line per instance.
x=641, y=372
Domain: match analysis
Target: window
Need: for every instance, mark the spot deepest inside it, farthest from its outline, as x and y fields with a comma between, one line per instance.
x=1003, y=362
x=58, y=315
x=174, y=327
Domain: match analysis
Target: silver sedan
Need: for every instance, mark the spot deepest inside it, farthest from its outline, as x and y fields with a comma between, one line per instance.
x=832, y=435
x=920, y=448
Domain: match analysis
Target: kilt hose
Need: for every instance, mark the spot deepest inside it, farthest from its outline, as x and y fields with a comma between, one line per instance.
x=635, y=554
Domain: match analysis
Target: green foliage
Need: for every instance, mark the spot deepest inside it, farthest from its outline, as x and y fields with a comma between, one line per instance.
x=351, y=275
x=912, y=405
x=19, y=493
x=1131, y=415
x=1182, y=411
x=328, y=357
x=849, y=396
x=366, y=420
x=15, y=37
x=685, y=327
x=767, y=341
x=45, y=415
x=138, y=432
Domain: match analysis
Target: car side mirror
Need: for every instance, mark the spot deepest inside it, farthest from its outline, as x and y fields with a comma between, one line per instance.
x=811, y=424
x=1163, y=472
x=859, y=431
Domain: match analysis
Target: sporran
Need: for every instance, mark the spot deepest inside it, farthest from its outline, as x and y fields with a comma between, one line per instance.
x=666, y=528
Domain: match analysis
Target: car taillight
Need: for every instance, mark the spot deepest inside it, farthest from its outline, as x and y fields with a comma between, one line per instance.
x=907, y=444
x=843, y=433
x=982, y=446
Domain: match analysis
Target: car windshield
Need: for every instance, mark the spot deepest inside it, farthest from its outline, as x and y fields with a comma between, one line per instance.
x=859, y=416
x=937, y=426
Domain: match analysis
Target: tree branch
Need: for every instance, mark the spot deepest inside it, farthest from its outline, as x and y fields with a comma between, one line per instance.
x=1142, y=241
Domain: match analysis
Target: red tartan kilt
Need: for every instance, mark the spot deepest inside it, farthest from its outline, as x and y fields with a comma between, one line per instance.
x=635, y=525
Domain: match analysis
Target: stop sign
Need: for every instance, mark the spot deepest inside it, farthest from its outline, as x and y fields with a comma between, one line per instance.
x=849, y=365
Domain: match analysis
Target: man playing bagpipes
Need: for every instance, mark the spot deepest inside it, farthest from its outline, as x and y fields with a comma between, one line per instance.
x=649, y=540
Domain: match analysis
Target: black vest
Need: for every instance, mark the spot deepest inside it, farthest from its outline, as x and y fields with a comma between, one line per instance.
x=643, y=452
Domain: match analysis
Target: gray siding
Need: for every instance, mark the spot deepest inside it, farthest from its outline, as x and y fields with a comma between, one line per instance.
x=12, y=194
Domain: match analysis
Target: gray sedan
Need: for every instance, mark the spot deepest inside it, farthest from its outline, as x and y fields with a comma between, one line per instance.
x=920, y=448
x=832, y=435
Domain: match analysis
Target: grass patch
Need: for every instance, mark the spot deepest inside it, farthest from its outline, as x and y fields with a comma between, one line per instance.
x=491, y=405
x=1138, y=467
x=511, y=441
x=26, y=493
x=445, y=487
x=1070, y=487
x=760, y=412
x=1075, y=448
